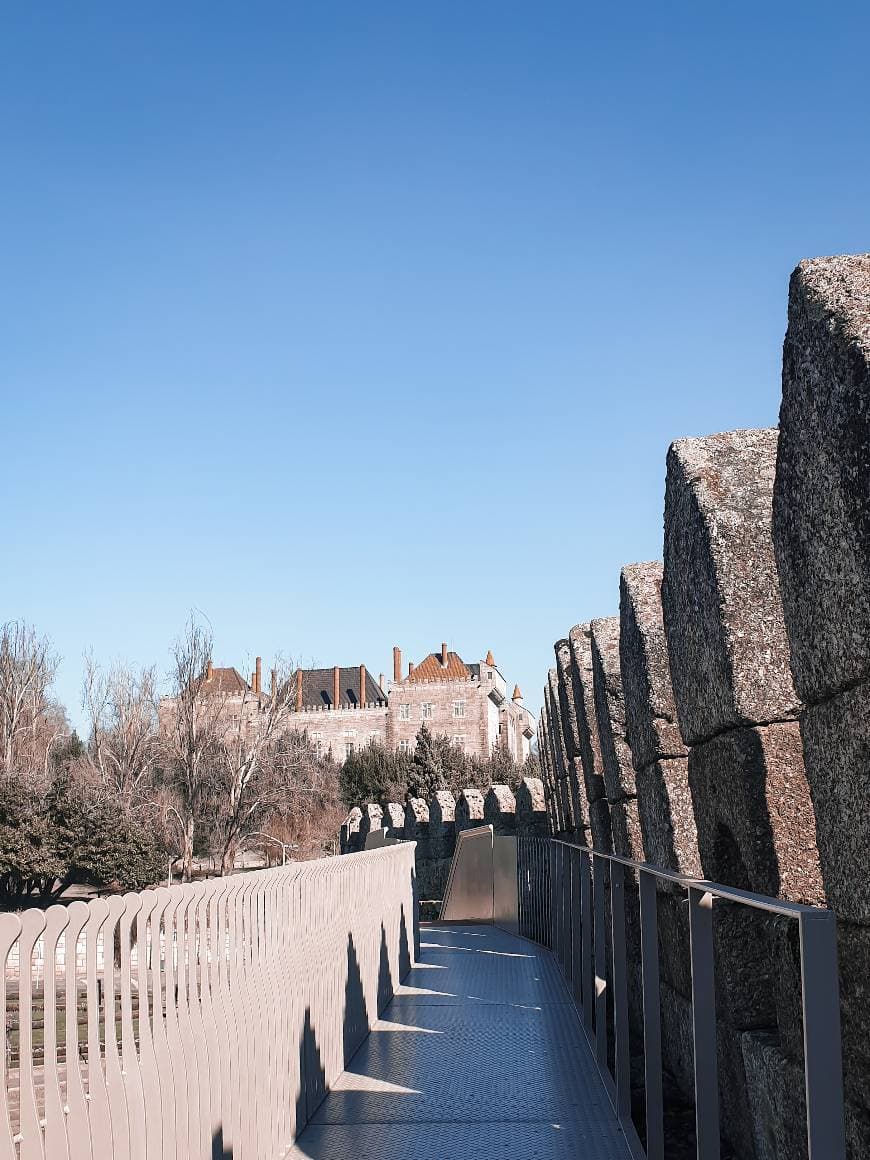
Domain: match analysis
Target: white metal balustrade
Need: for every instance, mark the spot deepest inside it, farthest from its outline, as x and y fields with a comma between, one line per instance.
x=211, y=1018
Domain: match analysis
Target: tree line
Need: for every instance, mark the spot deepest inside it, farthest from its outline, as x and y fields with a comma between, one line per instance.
x=153, y=783
x=375, y=773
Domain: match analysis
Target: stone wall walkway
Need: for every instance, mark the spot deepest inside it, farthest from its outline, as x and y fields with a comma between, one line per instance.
x=480, y=1054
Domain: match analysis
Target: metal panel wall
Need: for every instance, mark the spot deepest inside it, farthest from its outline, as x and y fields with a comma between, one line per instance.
x=198, y=1020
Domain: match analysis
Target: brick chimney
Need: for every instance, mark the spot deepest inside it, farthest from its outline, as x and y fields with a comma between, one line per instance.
x=209, y=670
x=443, y=655
x=410, y=668
x=336, y=687
x=298, y=690
x=274, y=683
x=362, y=684
x=397, y=664
x=258, y=676
x=518, y=696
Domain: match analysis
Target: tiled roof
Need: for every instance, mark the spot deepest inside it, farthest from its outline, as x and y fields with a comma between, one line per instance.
x=317, y=688
x=225, y=681
x=431, y=669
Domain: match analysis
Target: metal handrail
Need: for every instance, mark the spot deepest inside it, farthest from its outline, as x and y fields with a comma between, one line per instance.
x=565, y=908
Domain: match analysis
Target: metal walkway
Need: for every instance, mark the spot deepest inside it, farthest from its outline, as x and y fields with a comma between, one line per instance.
x=480, y=1054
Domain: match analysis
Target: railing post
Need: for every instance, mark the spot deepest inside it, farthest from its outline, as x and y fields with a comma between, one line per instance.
x=652, y=1027
x=823, y=1060
x=599, y=868
x=588, y=979
x=704, y=1023
x=620, y=990
x=576, y=929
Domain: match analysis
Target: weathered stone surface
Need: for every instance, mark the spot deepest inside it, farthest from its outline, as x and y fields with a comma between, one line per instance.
x=531, y=808
x=600, y=829
x=610, y=709
x=667, y=816
x=372, y=819
x=651, y=726
x=776, y=1098
x=565, y=690
x=821, y=502
x=579, y=804
x=442, y=824
x=673, y=923
x=557, y=730
x=580, y=639
x=756, y=828
x=735, y=1115
x=853, y=955
x=626, y=828
x=500, y=809
x=417, y=827
x=349, y=841
x=469, y=809
x=394, y=819
x=571, y=738
x=836, y=738
x=729, y=656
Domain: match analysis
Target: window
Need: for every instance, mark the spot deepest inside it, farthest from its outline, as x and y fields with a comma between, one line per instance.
x=350, y=732
x=404, y=712
x=426, y=711
x=459, y=740
x=405, y=746
x=458, y=708
x=489, y=675
x=348, y=749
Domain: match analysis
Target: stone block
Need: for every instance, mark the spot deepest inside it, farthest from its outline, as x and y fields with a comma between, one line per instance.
x=372, y=820
x=626, y=829
x=735, y=1117
x=442, y=824
x=417, y=827
x=565, y=690
x=600, y=829
x=616, y=759
x=836, y=739
x=756, y=827
x=469, y=809
x=580, y=639
x=579, y=804
x=557, y=730
x=349, y=840
x=728, y=650
x=672, y=909
x=394, y=819
x=651, y=726
x=777, y=1105
x=500, y=809
x=667, y=816
x=531, y=808
x=821, y=500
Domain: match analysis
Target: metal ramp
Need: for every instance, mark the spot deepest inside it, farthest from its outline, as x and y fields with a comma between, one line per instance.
x=480, y=1054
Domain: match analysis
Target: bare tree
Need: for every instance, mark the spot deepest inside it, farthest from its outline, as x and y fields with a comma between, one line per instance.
x=248, y=750
x=191, y=730
x=122, y=711
x=30, y=723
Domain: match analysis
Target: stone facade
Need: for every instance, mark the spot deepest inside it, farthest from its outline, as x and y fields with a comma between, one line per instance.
x=345, y=709
x=468, y=703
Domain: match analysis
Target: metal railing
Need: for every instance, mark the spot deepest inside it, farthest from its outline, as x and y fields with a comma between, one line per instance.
x=209, y=1020
x=572, y=899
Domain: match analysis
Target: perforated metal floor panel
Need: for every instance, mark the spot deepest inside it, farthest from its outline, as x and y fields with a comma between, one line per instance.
x=479, y=1055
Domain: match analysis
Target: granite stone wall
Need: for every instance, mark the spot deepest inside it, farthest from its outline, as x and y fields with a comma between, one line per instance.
x=720, y=725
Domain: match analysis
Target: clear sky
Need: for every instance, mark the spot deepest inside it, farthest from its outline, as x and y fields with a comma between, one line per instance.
x=361, y=324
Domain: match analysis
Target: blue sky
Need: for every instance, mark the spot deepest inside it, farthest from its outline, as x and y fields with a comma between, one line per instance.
x=359, y=325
